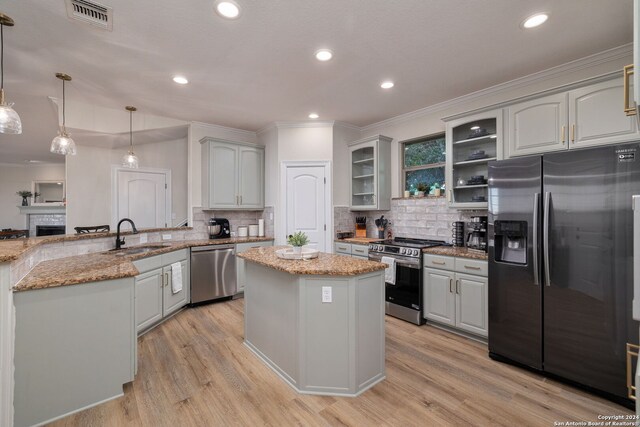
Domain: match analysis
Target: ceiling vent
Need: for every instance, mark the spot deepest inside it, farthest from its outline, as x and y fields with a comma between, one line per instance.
x=90, y=13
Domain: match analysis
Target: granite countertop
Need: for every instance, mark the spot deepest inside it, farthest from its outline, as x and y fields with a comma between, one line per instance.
x=11, y=249
x=455, y=251
x=324, y=265
x=358, y=240
x=100, y=266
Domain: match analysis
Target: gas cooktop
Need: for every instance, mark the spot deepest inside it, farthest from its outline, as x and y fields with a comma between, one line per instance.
x=412, y=243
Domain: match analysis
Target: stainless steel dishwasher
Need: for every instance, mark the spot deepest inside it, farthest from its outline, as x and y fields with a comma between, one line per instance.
x=213, y=272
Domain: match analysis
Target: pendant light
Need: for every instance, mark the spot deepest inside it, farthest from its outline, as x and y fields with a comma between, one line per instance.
x=9, y=119
x=63, y=144
x=130, y=160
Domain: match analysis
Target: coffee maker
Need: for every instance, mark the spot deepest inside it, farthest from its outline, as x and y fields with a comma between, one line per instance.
x=477, y=234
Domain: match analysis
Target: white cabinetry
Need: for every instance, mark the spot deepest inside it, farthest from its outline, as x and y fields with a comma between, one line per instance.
x=241, y=247
x=232, y=175
x=454, y=298
x=370, y=173
x=154, y=296
x=353, y=249
x=582, y=117
x=472, y=142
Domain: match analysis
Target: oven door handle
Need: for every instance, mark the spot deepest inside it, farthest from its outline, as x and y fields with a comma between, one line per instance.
x=401, y=263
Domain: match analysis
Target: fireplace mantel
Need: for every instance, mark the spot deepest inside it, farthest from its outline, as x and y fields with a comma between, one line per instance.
x=43, y=210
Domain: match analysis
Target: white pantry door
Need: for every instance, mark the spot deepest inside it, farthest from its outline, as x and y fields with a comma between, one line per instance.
x=142, y=196
x=305, y=204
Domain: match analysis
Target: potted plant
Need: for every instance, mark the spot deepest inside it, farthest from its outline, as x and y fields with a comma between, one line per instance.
x=25, y=194
x=422, y=187
x=298, y=240
x=435, y=189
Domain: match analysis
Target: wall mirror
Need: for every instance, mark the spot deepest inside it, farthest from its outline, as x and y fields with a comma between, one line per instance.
x=49, y=192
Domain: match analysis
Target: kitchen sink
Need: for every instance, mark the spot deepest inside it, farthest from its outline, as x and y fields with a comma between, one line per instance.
x=133, y=250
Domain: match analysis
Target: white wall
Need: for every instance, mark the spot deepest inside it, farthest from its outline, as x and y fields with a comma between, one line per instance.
x=342, y=136
x=89, y=180
x=429, y=120
x=16, y=177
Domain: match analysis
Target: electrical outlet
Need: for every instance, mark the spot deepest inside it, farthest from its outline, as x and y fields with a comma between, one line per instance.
x=326, y=294
x=143, y=238
x=166, y=237
x=271, y=216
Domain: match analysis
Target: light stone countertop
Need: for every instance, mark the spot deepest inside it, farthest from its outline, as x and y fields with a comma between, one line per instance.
x=358, y=240
x=456, y=252
x=100, y=266
x=325, y=265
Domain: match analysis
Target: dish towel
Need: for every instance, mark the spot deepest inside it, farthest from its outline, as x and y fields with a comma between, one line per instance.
x=390, y=271
x=176, y=277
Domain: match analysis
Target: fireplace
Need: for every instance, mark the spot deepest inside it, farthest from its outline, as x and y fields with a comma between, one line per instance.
x=49, y=230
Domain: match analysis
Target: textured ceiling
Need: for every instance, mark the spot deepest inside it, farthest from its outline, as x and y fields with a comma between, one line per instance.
x=260, y=68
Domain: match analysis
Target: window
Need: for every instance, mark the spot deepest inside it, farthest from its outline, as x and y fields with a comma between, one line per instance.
x=423, y=161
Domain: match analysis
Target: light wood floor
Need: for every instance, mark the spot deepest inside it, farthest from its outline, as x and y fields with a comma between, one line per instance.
x=194, y=371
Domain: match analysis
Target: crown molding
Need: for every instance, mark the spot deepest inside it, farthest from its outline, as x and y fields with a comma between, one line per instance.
x=240, y=132
x=346, y=126
x=596, y=59
x=304, y=124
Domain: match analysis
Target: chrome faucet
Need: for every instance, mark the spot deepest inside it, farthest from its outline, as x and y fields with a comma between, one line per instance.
x=120, y=242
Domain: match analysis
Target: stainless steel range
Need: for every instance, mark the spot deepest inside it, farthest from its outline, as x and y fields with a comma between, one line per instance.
x=404, y=297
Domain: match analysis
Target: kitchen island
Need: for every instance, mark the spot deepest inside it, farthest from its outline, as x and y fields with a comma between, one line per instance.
x=319, y=323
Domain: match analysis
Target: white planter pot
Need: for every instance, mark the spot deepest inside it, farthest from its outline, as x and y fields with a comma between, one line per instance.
x=297, y=250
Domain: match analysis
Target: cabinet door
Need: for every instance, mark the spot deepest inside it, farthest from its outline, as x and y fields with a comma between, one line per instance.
x=173, y=302
x=538, y=126
x=223, y=175
x=363, y=182
x=471, y=304
x=251, y=177
x=595, y=116
x=148, y=299
x=438, y=296
x=241, y=247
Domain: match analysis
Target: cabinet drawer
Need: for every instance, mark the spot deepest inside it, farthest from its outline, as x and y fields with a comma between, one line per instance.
x=175, y=256
x=438, y=261
x=360, y=250
x=343, y=248
x=241, y=247
x=472, y=266
x=148, y=264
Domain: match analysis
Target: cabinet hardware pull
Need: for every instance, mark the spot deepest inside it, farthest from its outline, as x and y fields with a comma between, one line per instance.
x=438, y=262
x=468, y=267
x=632, y=351
x=628, y=109
x=457, y=286
x=240, y=200
x=450, y=285
x=564, y=130
x=167, y=281
x=573, y=133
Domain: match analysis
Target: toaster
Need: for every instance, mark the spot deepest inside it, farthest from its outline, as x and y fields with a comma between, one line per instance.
x=219, y=228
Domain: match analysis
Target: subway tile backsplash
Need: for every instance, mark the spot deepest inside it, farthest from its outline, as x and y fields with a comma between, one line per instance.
x=420, y=218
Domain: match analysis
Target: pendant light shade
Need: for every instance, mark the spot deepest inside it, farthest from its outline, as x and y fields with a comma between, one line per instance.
x=63, y=144
x=130, y=160
x=9, y=119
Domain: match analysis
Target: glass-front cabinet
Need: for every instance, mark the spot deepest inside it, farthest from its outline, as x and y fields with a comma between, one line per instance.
x=370, y=172
x=472, y=142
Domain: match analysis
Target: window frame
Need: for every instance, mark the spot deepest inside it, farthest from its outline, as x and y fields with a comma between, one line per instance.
x=404, y=169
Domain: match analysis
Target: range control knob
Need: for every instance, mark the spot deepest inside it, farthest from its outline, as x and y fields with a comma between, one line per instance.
x=403, y=251
x=370, y=247
x=416, y=252
x=380, y=248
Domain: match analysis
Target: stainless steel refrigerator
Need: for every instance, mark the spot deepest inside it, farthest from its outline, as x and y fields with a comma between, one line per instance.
x=561, y=263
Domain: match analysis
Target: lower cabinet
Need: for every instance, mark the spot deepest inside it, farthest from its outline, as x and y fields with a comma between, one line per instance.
x=241, y=247
x=154, y=294
x=352, y=249
x=456, y=299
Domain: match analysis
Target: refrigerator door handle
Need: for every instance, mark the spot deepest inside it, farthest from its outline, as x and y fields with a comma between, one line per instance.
x=536, y=209
x=545, y=238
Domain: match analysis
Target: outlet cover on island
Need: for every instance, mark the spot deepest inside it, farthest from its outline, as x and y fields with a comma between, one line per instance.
x=326, y=294
x=143, y=238
x=166, y=237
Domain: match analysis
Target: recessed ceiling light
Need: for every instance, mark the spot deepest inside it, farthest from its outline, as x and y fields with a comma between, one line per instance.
x=313, y=116
x=324, y=55
x=228, y=9
x=386, y=84
x=475, y=127
x=180, y=80
x=535, y=20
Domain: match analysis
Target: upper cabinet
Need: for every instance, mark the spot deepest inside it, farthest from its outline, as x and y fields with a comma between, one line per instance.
x=472, y=142
x=582, y=117
x=370, y=172
x=232, y=175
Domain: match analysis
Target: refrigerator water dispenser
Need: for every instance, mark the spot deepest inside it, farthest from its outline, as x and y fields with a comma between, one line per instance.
x=511, y=242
